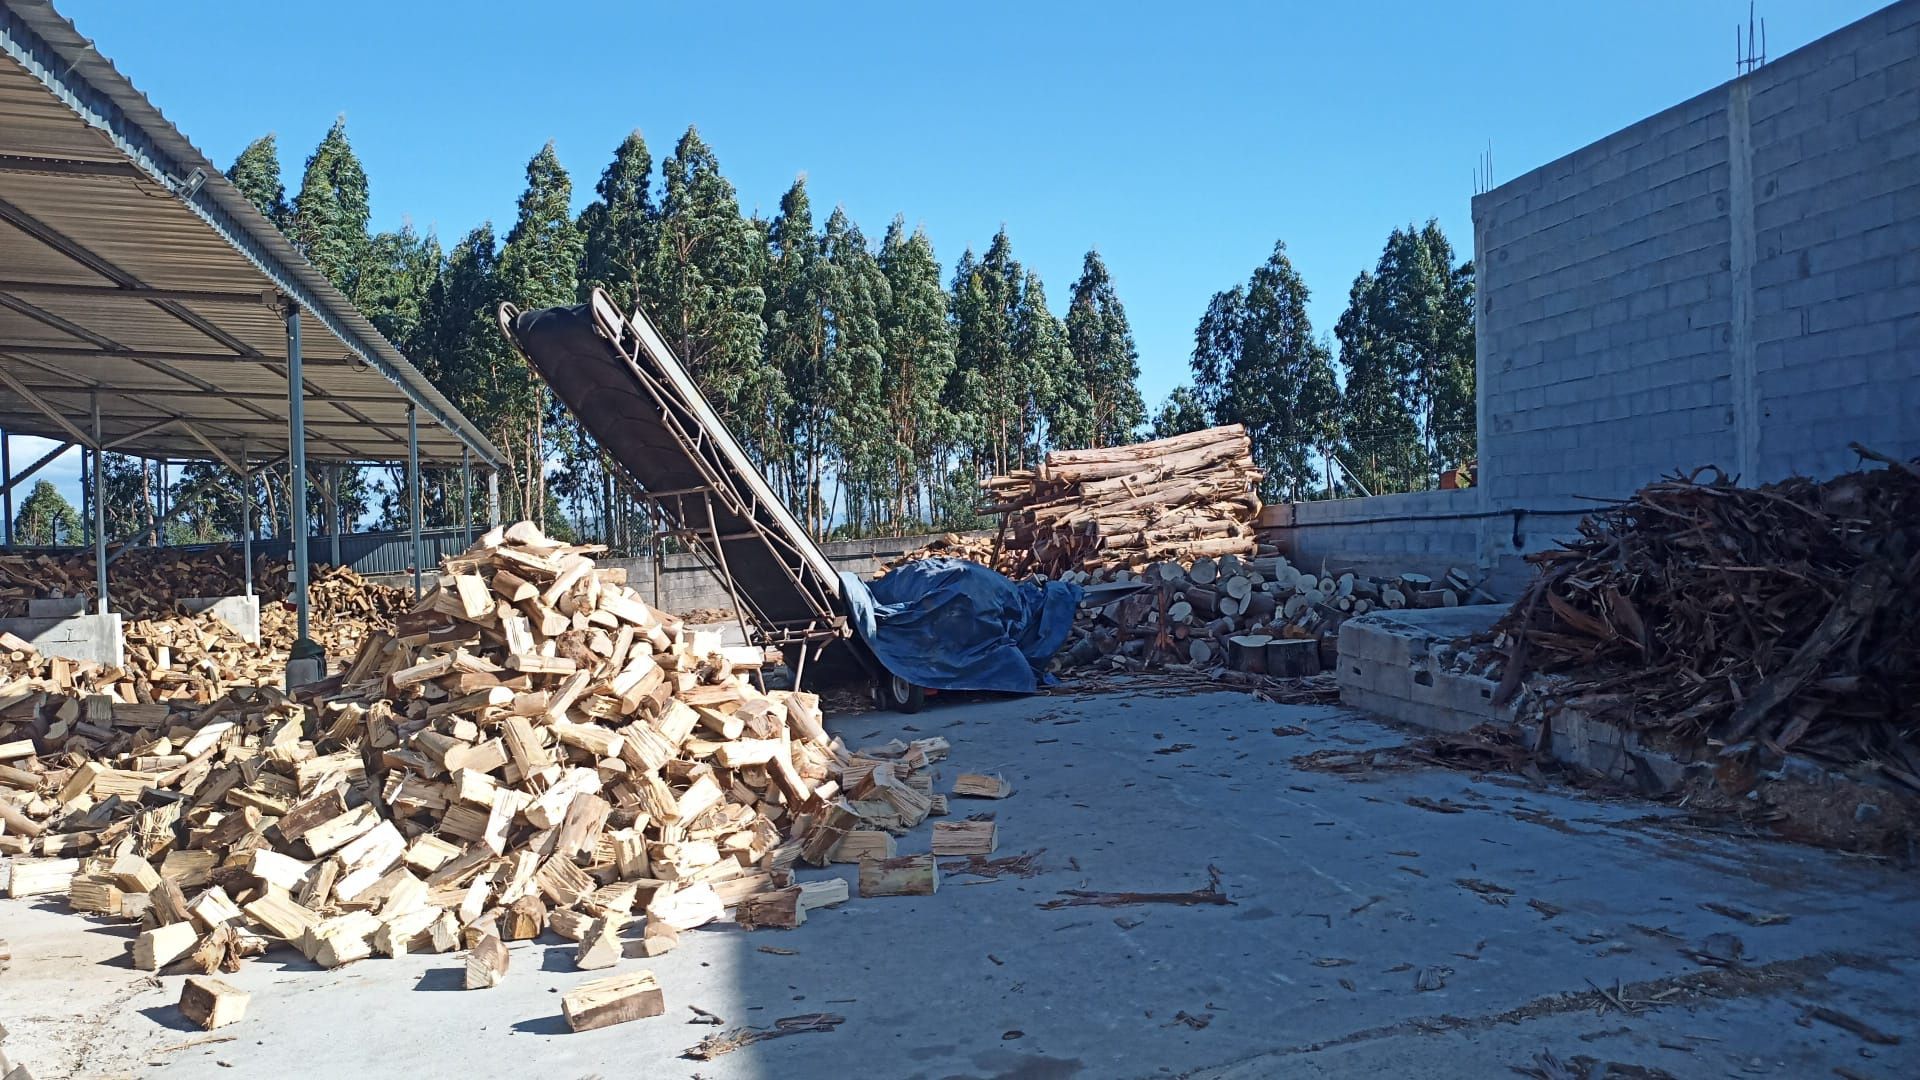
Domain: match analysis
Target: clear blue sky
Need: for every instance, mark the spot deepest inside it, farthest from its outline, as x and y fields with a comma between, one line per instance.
x=1180, y=140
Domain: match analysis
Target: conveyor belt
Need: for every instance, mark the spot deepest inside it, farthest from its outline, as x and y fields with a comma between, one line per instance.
x=620, y=380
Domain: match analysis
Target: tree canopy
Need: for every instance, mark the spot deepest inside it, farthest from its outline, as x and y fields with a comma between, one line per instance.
x=874, y=389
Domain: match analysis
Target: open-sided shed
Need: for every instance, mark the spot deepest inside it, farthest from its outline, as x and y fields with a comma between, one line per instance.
x=148, y=308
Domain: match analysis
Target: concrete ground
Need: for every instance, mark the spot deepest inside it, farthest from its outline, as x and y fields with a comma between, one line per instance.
x=1349, y=892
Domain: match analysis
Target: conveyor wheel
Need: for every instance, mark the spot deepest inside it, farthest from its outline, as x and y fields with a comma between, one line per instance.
x=900, y=695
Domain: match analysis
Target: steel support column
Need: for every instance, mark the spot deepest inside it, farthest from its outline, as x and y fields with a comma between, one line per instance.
x=6, y=477
x=303, y=646
x=246, y=519
x=333, y=513
x=466, y=497
x=413, y=494
x=99, y=519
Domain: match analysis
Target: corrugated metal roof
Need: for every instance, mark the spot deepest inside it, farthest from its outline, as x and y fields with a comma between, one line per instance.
x=124, y=278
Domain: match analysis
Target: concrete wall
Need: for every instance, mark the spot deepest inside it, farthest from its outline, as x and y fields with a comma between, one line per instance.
x=1732, y=282
x=1376, y=536
x=95, y=638
x=240, y=613
x=687, y=585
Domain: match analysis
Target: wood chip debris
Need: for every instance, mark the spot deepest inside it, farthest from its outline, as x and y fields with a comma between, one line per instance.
x=1212, y=894
x=716, y=1045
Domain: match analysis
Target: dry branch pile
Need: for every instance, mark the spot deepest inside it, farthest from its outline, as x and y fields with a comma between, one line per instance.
x=1784, y=617
x=1177, y=498
x=534, y=749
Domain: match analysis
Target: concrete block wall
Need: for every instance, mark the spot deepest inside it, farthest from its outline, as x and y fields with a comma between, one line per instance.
x=1387, y=534
x=1605, y=313
x=1835, y=146
x=95, y=638
x=1733, y=282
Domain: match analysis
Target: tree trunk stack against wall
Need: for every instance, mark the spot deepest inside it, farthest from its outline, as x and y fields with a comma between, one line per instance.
x=532, y=749
x=1184, y=497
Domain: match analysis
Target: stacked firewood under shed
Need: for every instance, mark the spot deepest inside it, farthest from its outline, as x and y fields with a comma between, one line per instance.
x=1181, y=498
x=533, y=750
x=1261, y=615
x=149, y=583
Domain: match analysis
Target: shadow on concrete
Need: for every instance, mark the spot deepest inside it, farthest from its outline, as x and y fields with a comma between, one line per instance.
x=543, y=1025
x=169, y=1016
x=558, y=958
x=453, y=978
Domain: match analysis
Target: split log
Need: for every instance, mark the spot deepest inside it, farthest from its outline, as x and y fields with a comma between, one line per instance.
x=211, y=1003
x=908, y=875
x=613, y=1000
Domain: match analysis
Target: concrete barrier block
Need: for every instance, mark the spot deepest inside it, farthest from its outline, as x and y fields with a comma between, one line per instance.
x=241, y=613
x=94, y=638
x=56, y=607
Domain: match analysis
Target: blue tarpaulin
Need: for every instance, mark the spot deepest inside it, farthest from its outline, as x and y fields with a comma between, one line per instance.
x=949, y=624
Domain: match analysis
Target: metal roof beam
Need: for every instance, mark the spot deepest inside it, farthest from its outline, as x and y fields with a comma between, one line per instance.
x=46, y=410
x=215, y=202
x=212, y=449
x=99, y=264
x=48, y=318
x=107, y=346
x=140, y=433
x=219, y=395
x=165, y=355
x=263, y=298
x=47, y=166
x=45, y=460
x=200, y=186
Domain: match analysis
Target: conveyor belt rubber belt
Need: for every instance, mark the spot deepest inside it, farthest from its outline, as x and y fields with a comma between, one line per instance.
x=621, y=381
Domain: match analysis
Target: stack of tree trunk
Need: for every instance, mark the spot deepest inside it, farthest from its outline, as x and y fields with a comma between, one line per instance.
x=1781, y=618
x=533, y=750
x=1181, y=498
x=1261, y=615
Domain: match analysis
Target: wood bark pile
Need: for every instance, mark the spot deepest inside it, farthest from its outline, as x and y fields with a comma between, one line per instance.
x=1261, y=616
x=1775, y=619
x=532, y=750
x=1177, y=498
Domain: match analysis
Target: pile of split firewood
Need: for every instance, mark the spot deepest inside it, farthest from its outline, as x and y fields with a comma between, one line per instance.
x=145, y=582
x=1180, y=498
x=1260, y=615
x=344, y=610
x=532, y=750
x=1783, y=617
x=976, y=548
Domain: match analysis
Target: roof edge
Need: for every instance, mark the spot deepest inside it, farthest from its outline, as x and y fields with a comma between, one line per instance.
x=46, y=44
